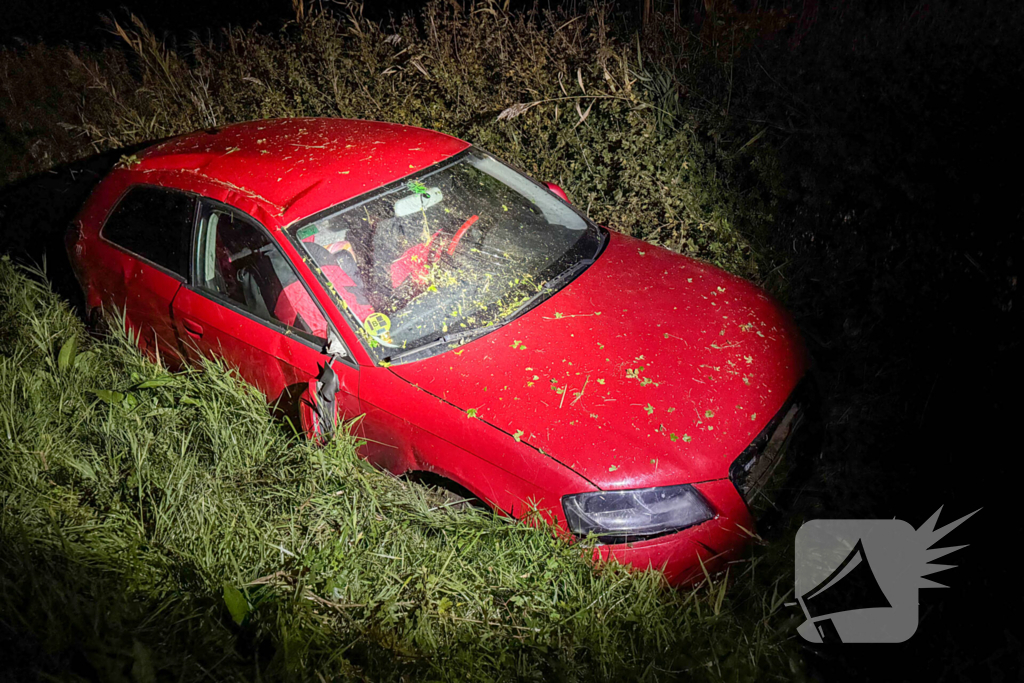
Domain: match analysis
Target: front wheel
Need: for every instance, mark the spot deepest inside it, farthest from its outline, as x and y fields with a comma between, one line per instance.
x=96, y=323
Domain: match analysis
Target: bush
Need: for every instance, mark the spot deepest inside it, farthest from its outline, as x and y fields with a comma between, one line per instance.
x=578, y=103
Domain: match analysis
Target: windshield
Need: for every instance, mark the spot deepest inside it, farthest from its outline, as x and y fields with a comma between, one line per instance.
x=445, y=254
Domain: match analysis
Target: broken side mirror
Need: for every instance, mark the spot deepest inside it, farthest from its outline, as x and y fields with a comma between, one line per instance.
x=557, y=190
x=318, y=408
x=335, y=347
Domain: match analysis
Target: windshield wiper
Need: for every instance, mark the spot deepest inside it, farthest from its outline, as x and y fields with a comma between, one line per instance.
x=446, y=339
x=568, y=273
x=546, y=290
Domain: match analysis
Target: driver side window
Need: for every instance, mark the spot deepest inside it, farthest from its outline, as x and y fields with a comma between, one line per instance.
x=237, y=261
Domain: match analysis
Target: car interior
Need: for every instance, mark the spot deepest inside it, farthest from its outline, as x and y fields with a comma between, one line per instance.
x=239, y=262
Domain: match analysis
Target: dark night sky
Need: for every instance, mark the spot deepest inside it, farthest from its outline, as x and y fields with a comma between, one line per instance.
x=57, y=21
x=79, y=21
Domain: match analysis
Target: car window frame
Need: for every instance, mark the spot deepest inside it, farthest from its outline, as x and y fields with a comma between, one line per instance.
x=192, y=229
x=276, y=325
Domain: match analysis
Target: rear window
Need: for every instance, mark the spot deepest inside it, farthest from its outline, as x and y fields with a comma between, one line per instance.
x=155, y=224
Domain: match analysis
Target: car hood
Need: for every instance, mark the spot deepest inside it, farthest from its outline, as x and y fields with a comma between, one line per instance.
x=649, y=369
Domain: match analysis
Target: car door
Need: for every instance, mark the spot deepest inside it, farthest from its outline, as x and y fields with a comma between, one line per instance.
x=246, y=304
x=145, y=258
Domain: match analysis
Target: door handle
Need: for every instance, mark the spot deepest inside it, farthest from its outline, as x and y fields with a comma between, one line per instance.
x=193, y=329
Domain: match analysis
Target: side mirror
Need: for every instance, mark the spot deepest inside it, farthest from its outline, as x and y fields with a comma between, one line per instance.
x=317, y=405
x=335, y=347
x=557, y=190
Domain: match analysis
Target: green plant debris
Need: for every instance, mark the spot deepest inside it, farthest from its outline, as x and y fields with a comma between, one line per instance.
x=127, y=161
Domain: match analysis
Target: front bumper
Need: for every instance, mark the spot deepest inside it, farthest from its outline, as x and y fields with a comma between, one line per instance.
x=714, y=543
x=759, y=471
x=754, y=477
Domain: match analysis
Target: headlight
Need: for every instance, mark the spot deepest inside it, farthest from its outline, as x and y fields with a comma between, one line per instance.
x=620, y=516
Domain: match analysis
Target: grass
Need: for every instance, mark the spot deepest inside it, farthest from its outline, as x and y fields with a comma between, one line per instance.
x=162, y=525
x=853, y=164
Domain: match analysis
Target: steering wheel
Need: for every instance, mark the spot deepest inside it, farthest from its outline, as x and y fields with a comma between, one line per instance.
x=460, y=232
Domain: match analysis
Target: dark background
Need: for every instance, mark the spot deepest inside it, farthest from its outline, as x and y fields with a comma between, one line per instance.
x=59, y=21
x=901, y=268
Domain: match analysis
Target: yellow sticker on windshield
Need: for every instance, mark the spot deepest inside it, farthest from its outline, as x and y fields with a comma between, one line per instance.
x=377, y=324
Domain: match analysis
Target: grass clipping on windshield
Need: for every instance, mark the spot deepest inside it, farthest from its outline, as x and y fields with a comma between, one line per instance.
x=163, y=525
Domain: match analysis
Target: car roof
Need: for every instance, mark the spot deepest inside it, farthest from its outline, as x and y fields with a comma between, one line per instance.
x=301, y=166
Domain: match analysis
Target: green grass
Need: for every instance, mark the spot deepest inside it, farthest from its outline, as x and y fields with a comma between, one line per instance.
x=856, y=172
x=162, y=525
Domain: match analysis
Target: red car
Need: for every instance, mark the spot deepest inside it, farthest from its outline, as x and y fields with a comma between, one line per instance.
x=493, y=337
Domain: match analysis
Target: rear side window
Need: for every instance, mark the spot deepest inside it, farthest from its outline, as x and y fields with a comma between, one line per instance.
x=155, y=224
